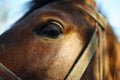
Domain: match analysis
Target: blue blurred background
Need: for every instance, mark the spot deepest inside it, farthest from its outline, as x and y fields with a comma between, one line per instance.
x=12, y=10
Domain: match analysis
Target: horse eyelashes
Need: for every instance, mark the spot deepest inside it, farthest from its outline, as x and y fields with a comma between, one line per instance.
x=50, y=30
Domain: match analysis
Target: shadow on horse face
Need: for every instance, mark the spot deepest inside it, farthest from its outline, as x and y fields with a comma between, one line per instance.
x=44, y=44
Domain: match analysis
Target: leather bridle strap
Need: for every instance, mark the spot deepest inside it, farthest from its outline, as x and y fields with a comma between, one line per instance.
x=97, y=40
x=102, y=53
x=6, y=74
x=80, y=67
x=95, y=15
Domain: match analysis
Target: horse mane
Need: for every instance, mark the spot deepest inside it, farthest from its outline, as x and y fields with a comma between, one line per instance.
x=35, y=4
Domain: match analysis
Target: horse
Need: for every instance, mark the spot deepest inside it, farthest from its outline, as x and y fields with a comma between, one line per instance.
x=60, y=40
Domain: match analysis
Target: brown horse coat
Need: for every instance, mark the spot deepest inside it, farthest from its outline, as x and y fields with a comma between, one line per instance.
x=33, y=54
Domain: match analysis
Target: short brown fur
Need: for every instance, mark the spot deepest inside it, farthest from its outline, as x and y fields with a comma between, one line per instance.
x=35, y=57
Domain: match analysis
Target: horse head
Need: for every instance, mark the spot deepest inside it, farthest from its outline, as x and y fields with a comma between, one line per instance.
x=46, y=42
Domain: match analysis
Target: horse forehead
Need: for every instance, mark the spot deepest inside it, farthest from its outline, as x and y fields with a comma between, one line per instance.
x=68, y=7
x=65, y=9
x=64, y=5
x=70, y=16
x=59, y=6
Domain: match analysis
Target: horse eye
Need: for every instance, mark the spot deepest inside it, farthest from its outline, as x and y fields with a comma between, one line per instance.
x=50, y=30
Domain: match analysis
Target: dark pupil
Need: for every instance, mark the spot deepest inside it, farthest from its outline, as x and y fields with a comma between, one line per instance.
x=50, y=30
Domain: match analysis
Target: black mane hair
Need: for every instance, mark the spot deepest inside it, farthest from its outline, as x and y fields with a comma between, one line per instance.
x=35, y=4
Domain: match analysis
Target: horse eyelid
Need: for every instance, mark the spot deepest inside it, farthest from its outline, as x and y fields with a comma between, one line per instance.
x=39, y=28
